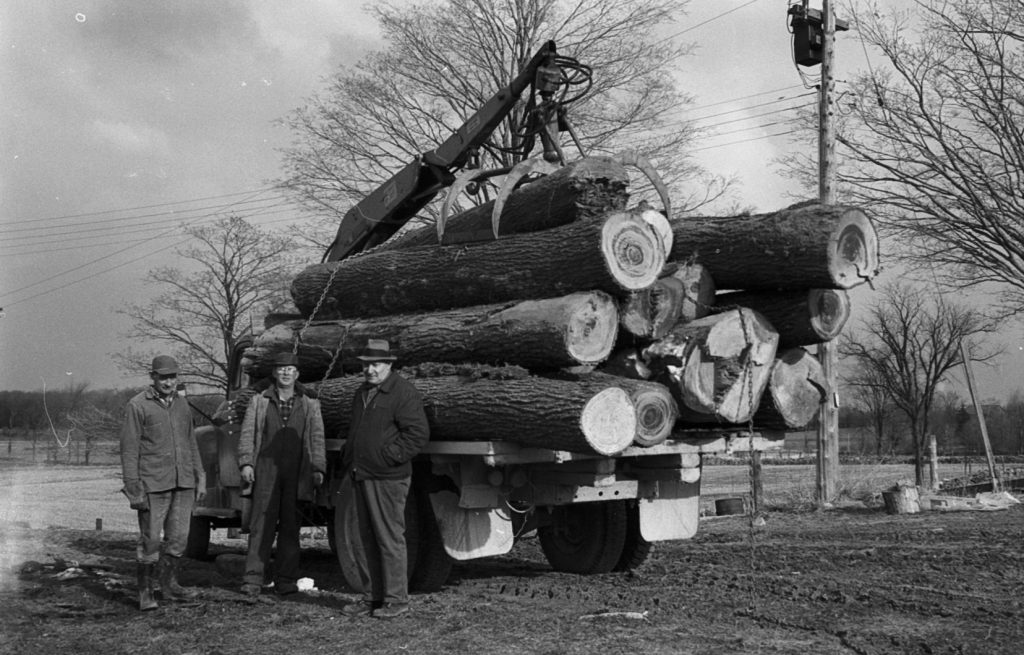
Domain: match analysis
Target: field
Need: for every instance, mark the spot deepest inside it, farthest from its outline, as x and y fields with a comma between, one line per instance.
x=851, y=579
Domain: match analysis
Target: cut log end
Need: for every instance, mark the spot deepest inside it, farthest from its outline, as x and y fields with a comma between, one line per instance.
x=609, y=421
x=829, y=310
x=592, y=328
x=854, y=258
x=656, y=414
x=633, y=251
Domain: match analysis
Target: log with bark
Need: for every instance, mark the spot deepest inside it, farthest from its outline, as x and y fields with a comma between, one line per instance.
x=616, y=253
x=531, y=411
x=796, y=389
x=656, y=409
x=801, y=317
x=684, y=295
x=717, y=366
x=577, y=329
x=590, y=187
x=804, y=246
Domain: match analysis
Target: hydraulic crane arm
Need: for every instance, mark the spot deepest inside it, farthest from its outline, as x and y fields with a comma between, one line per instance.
x=381, y=213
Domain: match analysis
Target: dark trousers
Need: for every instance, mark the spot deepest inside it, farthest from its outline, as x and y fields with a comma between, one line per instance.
x=274, y=509
x=380, y=508
x=164, y=526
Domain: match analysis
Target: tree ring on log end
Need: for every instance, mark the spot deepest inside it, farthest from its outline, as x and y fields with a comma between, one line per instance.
x=592, y=328
x=829, y=310
x=633, y=251
x=656, y=414
x=854, y=259
x=608, y=421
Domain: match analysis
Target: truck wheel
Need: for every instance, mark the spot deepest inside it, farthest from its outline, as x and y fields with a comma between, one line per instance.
x=424, y=567
x=584, y=538
x=198, y=544
x=636, y=548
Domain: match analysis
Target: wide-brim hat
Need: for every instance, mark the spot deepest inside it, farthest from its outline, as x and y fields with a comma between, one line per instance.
x=164, y=365
x=377, y=350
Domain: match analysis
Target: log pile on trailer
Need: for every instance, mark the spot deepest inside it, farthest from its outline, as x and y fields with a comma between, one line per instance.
x=588, y=326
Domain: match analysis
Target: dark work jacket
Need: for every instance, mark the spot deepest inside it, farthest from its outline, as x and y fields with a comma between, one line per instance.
x=384, y=436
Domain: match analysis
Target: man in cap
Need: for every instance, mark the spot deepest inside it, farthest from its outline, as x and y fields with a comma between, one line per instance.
x=388, y=428
x=163, y=478
x=281, y=453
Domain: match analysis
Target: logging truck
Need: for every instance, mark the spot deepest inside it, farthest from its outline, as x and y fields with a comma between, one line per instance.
x=472, y=499
x=575, y=370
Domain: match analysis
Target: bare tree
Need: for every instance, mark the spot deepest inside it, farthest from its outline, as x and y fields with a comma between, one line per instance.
x=236, y=273
x=444, y=60
x=870, y=395
x=931, y=140
x=911, y=343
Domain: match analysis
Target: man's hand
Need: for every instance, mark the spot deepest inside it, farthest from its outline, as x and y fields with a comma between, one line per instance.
x=318, y=479
x=136, y=494
x=200, y=494
x=247, y=474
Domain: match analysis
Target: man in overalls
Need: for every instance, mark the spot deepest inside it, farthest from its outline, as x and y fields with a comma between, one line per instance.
x=281, y=453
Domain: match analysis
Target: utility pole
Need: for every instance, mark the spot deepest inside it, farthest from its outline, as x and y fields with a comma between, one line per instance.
x=814, y=38
x=828, y=414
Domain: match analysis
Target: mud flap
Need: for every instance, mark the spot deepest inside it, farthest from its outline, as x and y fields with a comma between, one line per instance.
x=674, y=514
x=471, y=533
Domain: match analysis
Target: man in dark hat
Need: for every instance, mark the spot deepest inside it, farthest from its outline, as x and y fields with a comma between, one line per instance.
x=163, y=478
x=281, y=453
x=388, y=429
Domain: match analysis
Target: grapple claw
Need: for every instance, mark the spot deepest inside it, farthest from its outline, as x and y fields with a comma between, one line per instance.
x=634, y=158
x=462, y=180
x=518, y=172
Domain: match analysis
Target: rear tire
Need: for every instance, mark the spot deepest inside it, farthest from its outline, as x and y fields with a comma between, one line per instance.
x=585, y=538
x=433, y=565
x=198, y=544
x=635, y=549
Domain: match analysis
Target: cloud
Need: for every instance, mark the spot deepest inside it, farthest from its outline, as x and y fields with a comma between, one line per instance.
x=138, y=139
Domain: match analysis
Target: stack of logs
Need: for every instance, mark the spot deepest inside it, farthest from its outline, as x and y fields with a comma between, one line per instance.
x=587, y=326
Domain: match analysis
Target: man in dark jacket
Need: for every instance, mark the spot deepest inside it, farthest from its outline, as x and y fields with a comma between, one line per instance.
x=163, y=478
x=281, y=453
x=388, y=429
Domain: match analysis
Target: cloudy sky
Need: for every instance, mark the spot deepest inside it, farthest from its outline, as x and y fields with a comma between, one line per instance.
x=121, y=119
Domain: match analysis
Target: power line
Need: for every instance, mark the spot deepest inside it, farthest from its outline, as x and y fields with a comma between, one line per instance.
x=702, y=23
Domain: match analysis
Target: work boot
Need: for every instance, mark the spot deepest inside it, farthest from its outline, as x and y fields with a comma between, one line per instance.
x=147, y=601
x=169, y=587
x=360, y=608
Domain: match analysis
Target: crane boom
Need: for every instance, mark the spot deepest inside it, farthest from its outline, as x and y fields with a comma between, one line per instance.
x=391, y=205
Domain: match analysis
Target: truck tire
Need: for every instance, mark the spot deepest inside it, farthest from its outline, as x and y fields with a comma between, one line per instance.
x=584, y=538
x=198, y=544
x=635, y=549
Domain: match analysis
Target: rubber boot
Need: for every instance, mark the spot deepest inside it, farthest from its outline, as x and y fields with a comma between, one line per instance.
x=147, y=601
x=169, y=587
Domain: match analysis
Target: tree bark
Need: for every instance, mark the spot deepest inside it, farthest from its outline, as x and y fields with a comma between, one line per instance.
x=717, y=366
x=577, y=329
x=615, y=253
x=801, y=317
x=583, y=189
x=536, y=412
x=685, y=295
x=800, y=247
x=796, y=389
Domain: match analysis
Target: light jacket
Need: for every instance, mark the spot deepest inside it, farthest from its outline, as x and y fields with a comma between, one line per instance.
x=158, y=445
x=254, y=425
x=387, y=433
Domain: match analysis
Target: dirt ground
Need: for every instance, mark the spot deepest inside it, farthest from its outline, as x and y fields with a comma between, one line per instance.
x=848, y=580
